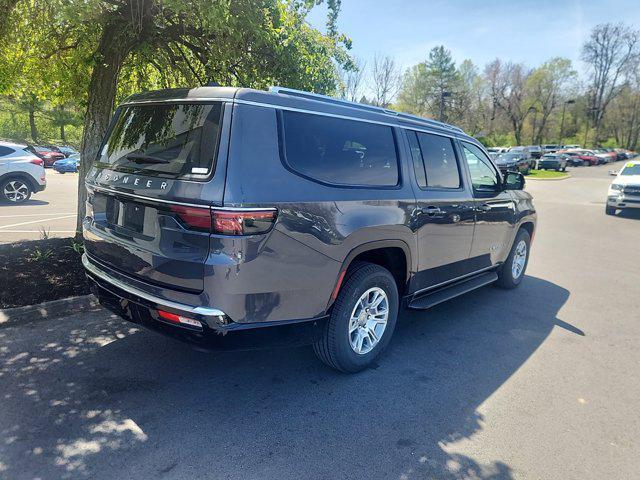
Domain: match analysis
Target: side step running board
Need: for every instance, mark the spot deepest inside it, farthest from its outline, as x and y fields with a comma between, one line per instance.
x=430, y=299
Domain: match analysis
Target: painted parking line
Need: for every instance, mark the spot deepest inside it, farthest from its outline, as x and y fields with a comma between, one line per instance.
x=36, y=214
x=37, y=221
x=38, y=231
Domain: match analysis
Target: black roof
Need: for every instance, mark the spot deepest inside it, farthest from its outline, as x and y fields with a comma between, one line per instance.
x=297, y=100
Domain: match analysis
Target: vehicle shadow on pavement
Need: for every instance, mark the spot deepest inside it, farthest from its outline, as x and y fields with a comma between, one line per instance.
x=93, y=396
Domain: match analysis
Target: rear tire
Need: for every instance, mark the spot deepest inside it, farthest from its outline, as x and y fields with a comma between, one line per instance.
x=512, y=271
x=354, y=336
x=610, y=210
x=15, y=190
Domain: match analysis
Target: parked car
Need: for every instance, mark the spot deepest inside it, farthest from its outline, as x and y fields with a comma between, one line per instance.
x=513, y=162
x=587, y=157
x=67, y=151
x=607, y=155
x=571, y=147
x=526, y=152
x=624, y=192
x=195, y=238
x=21, y=173
x=573, y=158
x=65, y=165
x=498, y=149
x=535, y=150
x=48, y=154
x=551, y=148
x=553, y=161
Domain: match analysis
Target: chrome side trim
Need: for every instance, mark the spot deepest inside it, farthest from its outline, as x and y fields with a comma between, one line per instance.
x=204, y=311
x=453, y=280
x=172, y=202
x=91, y=186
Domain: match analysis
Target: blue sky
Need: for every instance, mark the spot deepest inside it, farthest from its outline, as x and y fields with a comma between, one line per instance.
x=521, y=31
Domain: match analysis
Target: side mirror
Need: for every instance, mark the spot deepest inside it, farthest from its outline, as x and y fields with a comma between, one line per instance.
x=513, y=181
x=613, y=173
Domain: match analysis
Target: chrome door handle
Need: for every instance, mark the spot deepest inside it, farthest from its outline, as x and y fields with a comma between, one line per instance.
x=432, y=211
x=485, y=207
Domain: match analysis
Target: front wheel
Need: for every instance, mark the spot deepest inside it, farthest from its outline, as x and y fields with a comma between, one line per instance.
x=511, y=272
x=362, y=319
x=610, y=210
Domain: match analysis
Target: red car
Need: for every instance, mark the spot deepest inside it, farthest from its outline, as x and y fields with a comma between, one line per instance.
x=47, y=154
x=586, y=156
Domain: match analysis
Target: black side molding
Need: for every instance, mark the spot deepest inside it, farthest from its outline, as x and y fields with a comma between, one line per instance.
x=430, y=299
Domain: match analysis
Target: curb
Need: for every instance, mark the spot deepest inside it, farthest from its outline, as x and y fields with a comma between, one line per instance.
x=48, y=310
x=547, y=179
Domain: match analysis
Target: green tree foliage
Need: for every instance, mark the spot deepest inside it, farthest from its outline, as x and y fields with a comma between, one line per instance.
x=424, y=84
x=65, y=56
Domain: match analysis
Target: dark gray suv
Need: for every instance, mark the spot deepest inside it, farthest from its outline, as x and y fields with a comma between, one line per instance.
x=234, y=218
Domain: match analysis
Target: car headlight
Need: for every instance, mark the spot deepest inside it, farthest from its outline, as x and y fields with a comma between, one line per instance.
x=615, y=186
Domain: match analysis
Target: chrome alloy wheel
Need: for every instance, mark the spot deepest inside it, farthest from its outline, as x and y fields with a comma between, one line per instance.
x=519, y=259
x=16, y=191
x=368, y=320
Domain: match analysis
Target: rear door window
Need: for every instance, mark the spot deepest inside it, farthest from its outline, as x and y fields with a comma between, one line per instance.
x=164, y=140
x=338, y=151
x=434, y=160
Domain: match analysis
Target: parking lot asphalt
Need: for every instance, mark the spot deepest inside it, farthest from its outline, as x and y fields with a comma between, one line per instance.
x=541, y=382
x=52, y=211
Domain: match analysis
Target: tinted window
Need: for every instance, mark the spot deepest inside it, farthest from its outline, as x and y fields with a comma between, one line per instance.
x=483, y=175
x=168, y=140
x=440, y=165
x=631, y=169
x=5, y=151
x=340, y=151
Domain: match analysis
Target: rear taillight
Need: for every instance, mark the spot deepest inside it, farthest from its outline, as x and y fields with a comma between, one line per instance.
x=36, y=161
x=193, y=217
x=226, y=222
x=243, y=222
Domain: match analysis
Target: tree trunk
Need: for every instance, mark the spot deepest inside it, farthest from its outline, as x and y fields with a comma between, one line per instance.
x=62, y=134
x=120, y=35
x=32, y=124
x=6, y=7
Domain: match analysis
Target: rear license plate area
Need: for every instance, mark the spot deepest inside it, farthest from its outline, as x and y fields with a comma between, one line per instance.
x=133, y=216
x=125, y=214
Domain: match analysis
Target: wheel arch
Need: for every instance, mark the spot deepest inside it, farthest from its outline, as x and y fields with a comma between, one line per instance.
x=394, y=255
x=22, y=176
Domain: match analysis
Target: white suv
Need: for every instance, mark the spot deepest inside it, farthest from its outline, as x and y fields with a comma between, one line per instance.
x=21, y=173
x=624, y=191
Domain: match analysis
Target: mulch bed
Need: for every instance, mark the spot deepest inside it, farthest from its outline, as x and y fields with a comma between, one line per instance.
x=40, y=270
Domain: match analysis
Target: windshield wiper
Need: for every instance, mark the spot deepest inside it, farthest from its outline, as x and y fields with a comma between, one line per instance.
x=142, y=158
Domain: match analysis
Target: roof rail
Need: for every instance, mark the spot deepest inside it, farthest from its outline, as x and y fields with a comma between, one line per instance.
x=361, y=106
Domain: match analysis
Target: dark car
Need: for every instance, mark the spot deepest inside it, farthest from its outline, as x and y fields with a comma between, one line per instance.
x=237, y=218
x=66, y=150
x=513, y=162
x=48, y=154
x=553, y=161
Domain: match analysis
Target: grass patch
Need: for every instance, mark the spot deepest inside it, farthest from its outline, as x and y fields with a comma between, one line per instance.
x=547, y=174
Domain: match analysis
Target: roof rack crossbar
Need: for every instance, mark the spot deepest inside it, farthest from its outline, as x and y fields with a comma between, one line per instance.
x=361, y=106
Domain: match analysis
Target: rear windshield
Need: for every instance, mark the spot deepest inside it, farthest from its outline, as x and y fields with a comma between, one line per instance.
x=164, y=140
